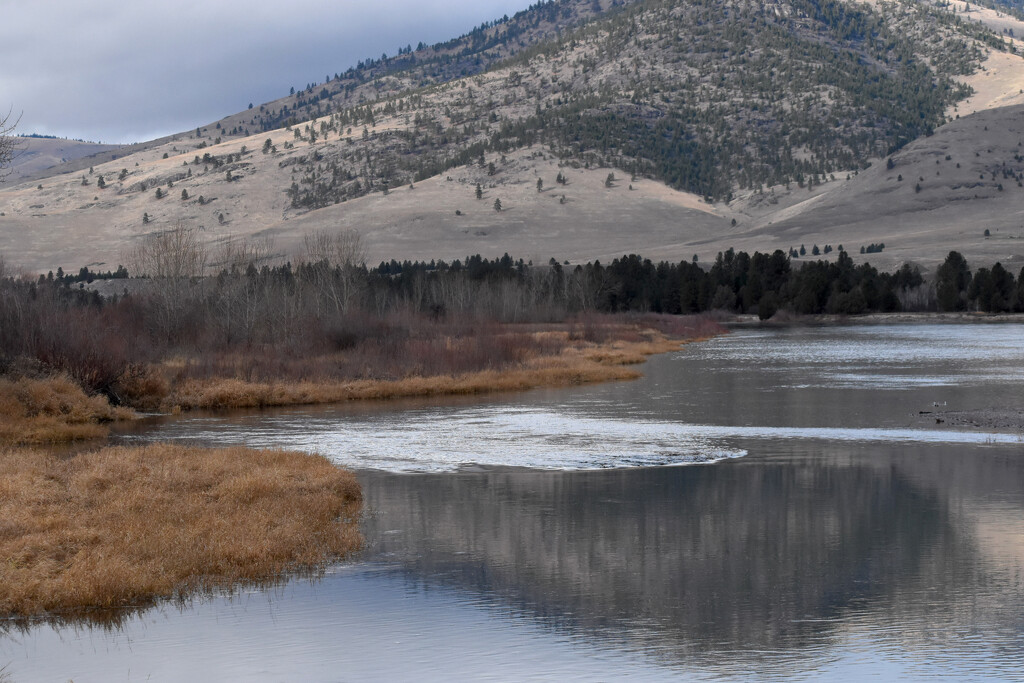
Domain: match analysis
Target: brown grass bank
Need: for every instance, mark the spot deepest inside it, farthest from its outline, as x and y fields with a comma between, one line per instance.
x=555, y=356
x=50, y=410
x=124, y=526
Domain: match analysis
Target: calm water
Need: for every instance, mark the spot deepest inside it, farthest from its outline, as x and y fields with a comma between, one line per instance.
x=767, y=505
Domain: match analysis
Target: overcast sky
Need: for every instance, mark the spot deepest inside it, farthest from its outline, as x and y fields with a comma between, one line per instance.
x=131, y=70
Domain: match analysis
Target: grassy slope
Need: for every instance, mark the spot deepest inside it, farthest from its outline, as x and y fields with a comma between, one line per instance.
x=35, y=156
x=951, y=211
x=70, y=224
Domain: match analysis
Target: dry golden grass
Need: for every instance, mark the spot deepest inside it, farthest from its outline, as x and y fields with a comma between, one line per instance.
x=52, y=410
x=577, y=362
x=124, y=526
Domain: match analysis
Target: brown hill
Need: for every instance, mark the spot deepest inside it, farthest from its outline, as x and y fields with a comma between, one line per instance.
x=938, y=194
x=404, y=125
x=34, y=156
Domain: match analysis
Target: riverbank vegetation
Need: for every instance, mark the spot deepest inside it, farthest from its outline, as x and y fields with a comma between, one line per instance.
x=324, y=330
x=120, y=527
x=542, y=359
x=53, y=409
x=329, y=329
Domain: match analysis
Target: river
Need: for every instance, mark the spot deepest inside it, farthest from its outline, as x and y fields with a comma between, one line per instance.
x=772, y=504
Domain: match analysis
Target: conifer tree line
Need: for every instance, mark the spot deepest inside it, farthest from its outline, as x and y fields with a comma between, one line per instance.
x=247, y=303
x=330, y=302
x=736, y=282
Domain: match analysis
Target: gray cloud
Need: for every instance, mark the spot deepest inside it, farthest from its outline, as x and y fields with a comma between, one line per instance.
x=121, y=71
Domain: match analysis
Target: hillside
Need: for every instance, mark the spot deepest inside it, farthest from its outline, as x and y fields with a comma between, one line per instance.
x=938, y=194
x=679, y=129
x=37, y=155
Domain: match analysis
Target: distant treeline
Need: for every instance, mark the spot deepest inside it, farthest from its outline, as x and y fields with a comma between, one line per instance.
x=509, y=290
x=395, y=318
x=84, y=275
x=39, y=136
x=736, y=282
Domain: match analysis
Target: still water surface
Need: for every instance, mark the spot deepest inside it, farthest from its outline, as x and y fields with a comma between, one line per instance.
x=767, y=505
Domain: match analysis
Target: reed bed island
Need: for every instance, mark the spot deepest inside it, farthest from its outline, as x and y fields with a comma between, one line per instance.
x=120, y=527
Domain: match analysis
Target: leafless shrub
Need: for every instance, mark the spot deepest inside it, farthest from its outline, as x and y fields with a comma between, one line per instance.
x=8, y=144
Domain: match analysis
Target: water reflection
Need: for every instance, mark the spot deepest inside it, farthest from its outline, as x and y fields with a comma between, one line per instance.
x=851, y=540
x=752, y=557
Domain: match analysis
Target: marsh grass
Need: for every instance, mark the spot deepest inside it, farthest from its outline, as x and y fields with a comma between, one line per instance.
x=51, y=410
x=527, y=357
x=121, y=527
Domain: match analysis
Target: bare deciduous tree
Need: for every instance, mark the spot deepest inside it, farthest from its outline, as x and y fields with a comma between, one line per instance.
x=174, y=254
x=238, y=253
x=341, y=248
x=174, y=259
x=7, y=144
x=337, y=259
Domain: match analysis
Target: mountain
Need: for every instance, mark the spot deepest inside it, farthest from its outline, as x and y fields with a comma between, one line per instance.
x=36, y=154
x=676, y=128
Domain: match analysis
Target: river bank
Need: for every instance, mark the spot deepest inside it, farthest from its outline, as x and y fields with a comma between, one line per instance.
x=562, y=361
x=994, y=419
x=784, y=319
x=55, y=408
x=123, y=527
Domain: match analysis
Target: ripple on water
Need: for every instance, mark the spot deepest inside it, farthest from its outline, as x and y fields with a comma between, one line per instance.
x=445, y=440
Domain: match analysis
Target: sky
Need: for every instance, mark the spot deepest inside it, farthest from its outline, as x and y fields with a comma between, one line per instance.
x=127, y=71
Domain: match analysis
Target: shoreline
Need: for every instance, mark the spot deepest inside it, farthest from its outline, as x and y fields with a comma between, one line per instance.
x=98, y=536
x=906, y=318
x=594, y=363
x=997, y=420
x=54, y=409
x=111, y=530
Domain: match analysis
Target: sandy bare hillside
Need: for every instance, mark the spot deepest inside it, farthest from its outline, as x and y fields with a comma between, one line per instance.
x=941, y=194
x=581, y=220
x=1000, y=80
x=69, y=224
x=315, y=175
x=39, y=154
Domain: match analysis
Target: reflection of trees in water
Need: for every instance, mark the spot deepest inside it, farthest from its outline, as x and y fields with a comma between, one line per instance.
x=701, y=557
